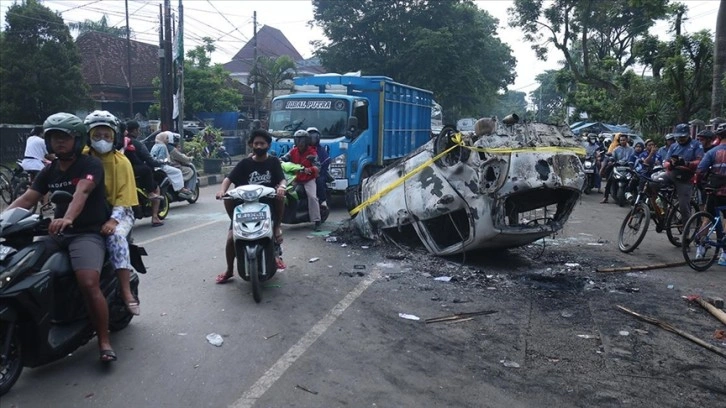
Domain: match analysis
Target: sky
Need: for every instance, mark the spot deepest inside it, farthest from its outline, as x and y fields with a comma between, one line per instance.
x=230, y=24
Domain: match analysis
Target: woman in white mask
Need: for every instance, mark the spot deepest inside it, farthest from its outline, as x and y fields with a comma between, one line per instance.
x=160, y=152
x=120, y=184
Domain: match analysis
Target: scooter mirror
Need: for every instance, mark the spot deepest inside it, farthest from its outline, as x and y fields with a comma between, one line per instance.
x=61, y=197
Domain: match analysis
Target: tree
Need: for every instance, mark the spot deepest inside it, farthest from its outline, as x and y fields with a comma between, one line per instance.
x=270, y=74
x=40, y=65
x=449, y=47
x=719, y=63
x=604, y=32
x=100, y=26
x=549, y=97
x=207, y=87
x=509, y=102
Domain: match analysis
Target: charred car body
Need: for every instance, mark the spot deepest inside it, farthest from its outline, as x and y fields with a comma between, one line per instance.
x=503, y=186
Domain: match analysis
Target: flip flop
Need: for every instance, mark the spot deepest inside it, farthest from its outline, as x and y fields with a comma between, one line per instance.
x=157, y=224
x=107, y=356
x=223, y=278
x=133, y=308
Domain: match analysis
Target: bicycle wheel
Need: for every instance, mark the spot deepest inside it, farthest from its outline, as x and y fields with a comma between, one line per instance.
x=6, y=190
x=675, y=223
x=634, y=227
x=699, y=234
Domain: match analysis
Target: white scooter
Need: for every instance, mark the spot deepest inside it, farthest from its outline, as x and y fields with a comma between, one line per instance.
x=253, y=232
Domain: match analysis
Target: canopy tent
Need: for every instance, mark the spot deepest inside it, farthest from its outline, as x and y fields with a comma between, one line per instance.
x=598, y=127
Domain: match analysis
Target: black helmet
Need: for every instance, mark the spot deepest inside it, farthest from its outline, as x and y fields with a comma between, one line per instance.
x=314, y=135
x=706, y=133
x=684, y=129
x=104, y=118
x=69, y=124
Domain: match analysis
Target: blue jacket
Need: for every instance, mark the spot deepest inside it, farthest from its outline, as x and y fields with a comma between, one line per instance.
x=689, y=152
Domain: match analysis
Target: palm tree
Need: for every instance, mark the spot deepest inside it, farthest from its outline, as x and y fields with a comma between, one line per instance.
x=270, y=74
x=98, y=26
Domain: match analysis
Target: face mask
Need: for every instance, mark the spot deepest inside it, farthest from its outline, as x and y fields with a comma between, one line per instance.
x=259, y=151
x=102, y=146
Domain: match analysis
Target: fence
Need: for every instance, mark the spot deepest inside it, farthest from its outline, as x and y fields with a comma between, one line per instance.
x=12, y=141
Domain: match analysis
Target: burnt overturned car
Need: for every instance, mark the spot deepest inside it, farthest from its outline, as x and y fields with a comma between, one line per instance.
x=504, y=185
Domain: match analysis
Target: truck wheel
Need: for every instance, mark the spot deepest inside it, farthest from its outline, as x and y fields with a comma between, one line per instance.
x=353, y=194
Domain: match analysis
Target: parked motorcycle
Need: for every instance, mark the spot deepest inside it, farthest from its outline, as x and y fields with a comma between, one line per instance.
x=252, y=231
x=621, y=178
x=296, y=201
x=43, y=316
x=220, y=154
x=589, y=167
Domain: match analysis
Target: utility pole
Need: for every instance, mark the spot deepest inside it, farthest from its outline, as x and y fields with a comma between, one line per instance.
x=166, y=122
x=162, y=72
x=254, y=65
x=180, y=76
x=128, y=63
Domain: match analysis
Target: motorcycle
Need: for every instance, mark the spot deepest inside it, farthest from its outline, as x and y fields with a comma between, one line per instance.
x=43, y=316
x=221, y=153
x=167, y=193
x=621, y=178
x=589, y=168
x=252, y=231
x=296, y=201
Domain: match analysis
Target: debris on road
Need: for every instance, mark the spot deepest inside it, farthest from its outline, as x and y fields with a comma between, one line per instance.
x=313, y=260
x=716, y=312
x=399, y=256
x=359, y=266
x=588, y=336
x=215, y=339
x=668, y=327
x=459, y=316
x=300, y=387
x=443, y=278
x=331, y=239
x=641, y=267
x=408, y=316
x=511, y=364
x=271, y=336
x=719, y=335
x=624, y=333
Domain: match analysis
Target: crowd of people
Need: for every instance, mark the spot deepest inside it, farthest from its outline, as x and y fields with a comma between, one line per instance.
x=687, y=162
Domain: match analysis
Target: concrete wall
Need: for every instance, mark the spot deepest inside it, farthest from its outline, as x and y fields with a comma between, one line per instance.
x=12, y=141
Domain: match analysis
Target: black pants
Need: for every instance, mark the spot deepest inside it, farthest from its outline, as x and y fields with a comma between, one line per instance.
x=144, y=178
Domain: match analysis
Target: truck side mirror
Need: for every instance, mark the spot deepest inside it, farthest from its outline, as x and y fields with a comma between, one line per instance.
x=352, y=125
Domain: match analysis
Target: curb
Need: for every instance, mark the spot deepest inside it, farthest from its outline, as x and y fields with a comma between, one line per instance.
x=210, y=179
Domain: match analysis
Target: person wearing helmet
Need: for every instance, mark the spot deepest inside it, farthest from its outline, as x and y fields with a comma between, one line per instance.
x=260, y=168
x=76, y=226
x=681, y=161
x=622, y=153
x=160, y=152
x=306, y=155
x=324, y=159
x=121, y=195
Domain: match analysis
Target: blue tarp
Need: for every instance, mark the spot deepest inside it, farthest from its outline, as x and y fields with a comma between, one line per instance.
x=221, y=120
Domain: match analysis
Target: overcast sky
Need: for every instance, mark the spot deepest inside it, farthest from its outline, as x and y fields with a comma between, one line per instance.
x=230, y=23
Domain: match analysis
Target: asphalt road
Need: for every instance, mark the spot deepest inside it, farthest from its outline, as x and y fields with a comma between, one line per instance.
x=328, y=333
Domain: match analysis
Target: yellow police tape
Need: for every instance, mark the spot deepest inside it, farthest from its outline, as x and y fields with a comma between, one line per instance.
x=456, y=138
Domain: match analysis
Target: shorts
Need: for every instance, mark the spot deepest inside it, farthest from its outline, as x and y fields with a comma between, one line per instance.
x=229, y=206
x=86, y=250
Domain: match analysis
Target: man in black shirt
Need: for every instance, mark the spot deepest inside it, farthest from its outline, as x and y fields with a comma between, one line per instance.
x=262, y=169
x=80, y=220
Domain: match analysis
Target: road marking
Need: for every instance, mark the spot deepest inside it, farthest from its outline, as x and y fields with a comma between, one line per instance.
x=250, y=397
x=177, y=232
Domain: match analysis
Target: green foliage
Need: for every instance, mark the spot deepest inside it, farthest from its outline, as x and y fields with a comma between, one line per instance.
x=270, y=74
x=207, y=88
x=549, y=97
x=449, y=47
x=100, y=26
x=196, y=147
x=508, y=103
x=40, y=65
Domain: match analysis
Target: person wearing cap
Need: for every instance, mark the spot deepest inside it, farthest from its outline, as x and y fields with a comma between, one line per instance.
x=713, y=168
x=260, y=168
x=681, y=162
x=76, y=226
x=706, y=138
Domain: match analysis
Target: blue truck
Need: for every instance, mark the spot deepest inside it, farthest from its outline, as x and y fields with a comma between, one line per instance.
x=366, y=123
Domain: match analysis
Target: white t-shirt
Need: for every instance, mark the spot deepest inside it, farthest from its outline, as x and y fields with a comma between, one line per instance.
x=35, y=151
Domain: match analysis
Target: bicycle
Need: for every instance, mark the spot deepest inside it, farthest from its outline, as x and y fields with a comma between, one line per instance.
x=657, y=202
x=703, y=230
x=13, y=183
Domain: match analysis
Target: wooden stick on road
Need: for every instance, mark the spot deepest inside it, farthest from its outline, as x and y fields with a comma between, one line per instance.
x=716, y=312
x=672, y=329
x=641, y=267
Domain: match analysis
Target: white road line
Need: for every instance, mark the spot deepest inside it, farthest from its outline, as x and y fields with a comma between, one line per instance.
x=274, y=373
x=177, y=232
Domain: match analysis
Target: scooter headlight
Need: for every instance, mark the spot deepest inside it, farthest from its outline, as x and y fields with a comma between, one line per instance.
x=588, y=164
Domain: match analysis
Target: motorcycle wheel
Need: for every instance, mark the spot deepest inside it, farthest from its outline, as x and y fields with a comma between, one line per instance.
x=118, y=316
x=195, y=195
x=253, y=264
x=164, y=205
x=633, y=228
x=13, y=366
x=227, y=160
x=675, y=222
x=620, y=197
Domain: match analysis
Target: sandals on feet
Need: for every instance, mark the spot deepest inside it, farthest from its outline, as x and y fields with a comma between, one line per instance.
x=223, y=278
x=107, y=356
x=133, y=308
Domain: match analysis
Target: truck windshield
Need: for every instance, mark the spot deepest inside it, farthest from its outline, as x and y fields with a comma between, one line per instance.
x=329, y=116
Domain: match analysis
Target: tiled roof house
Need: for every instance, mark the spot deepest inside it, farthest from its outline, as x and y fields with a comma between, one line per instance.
x=105, y=69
